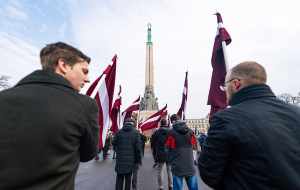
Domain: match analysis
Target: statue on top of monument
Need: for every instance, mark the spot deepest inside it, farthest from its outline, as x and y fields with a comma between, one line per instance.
x=149, y=32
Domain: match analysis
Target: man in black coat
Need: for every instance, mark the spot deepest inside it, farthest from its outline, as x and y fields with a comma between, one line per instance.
x=128, y=143
x=254, y=144
x=46, y=126
x=159, y=138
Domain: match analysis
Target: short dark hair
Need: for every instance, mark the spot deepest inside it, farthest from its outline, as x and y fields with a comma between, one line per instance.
x=50, y=55
x=163, y=122
x=174, y=117
x=249, y=71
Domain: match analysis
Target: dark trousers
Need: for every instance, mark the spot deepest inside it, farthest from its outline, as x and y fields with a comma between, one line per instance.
x=120, y=180
x=105, y=154
x=143, y=150
x=135, y=175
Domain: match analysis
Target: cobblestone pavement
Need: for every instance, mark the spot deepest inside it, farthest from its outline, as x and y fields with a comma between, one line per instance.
x=100, y=175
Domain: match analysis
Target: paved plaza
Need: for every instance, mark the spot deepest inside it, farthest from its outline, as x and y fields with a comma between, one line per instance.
x=100, y=175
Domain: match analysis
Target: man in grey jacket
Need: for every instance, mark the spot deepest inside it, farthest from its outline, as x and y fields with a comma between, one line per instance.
x=46, y=126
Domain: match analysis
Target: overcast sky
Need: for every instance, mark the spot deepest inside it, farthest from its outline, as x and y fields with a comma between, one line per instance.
x=183, y=33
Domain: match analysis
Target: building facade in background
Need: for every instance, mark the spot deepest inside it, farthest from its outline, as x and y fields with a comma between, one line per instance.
x=198, y=125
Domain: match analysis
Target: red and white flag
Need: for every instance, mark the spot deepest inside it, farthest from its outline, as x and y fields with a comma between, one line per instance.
x=217, y=97
x=104, y=98
x=135, y=106
x=140, y=123
x=152, y=121
x=169, y=122
x=182, y=110
x=115, y=113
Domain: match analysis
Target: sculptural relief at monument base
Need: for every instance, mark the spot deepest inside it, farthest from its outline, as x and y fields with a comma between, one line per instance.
x=149, y=102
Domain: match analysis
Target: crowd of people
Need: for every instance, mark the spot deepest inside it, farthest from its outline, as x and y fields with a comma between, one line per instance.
x=47, y=128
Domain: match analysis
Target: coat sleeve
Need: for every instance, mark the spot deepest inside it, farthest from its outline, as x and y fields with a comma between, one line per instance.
x=214, y=156
x=138, y=149
x=169, y=143
x=90, y=141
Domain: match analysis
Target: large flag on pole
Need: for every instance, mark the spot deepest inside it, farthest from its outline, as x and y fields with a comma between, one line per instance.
x=217, y=97
x=104, y=97
x=115, y=114
x=135, y=106
x=152, y=121
x=182, y=110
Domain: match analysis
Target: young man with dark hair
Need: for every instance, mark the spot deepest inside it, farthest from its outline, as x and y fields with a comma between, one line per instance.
x=46, y=126
x=244, y=147
x=159, y=138
x=179, y=150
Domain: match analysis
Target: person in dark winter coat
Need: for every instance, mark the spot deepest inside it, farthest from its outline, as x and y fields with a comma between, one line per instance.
x=202, y=139
x=254, y=144
x=115, y=150
x=106, y=147
x=159, y=138
x=143, y=139
x=46, y=126
x=153, y=147
x=179, y=150
x=128, y=143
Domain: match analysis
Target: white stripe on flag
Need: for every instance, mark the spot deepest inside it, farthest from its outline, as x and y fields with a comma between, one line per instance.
x=118, y=120
x=123, y=117
x=150, y=120
x=104, y=99
x=184, y=90
x=185, y=108
x=135, y=103
x=220, y=25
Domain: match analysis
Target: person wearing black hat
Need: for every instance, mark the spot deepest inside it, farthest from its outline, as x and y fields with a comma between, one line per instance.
x=128, y=143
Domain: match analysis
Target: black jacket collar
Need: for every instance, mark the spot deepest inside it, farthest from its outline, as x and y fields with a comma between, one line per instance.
x=252, y=91
x=45, y=76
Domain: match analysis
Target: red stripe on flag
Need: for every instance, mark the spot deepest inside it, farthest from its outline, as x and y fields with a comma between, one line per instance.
x=217, y=97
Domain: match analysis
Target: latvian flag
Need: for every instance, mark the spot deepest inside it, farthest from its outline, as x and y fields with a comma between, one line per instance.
x=104, y=98
x=152, y=121
x=182, y=110
x=217, y=97
x=140, y=123
x=115, y=114
x=135, y=106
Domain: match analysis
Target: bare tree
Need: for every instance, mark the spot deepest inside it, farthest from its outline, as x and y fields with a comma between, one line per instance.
x=290, y=99
x=4, y=82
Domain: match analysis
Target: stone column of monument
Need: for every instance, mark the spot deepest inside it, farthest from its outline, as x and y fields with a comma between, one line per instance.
x=148, y=104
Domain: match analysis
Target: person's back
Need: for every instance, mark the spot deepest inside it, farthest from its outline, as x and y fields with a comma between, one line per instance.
x=128, y=143
x=160, y=141
x=179, y=150
x=181, y=153
x=266, y=151
x=254, y=143
x=46, y=128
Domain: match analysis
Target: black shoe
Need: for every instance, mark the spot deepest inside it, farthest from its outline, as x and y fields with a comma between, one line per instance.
x=195, y=162
x=154, y=165
x=97, y=158
x=113, y=158
x=170, y=188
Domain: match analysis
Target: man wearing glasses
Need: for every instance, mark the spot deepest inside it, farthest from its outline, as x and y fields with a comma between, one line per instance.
x=254, y=144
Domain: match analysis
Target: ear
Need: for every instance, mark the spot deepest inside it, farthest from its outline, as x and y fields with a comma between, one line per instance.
x=62, y=66
x=237, y=84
